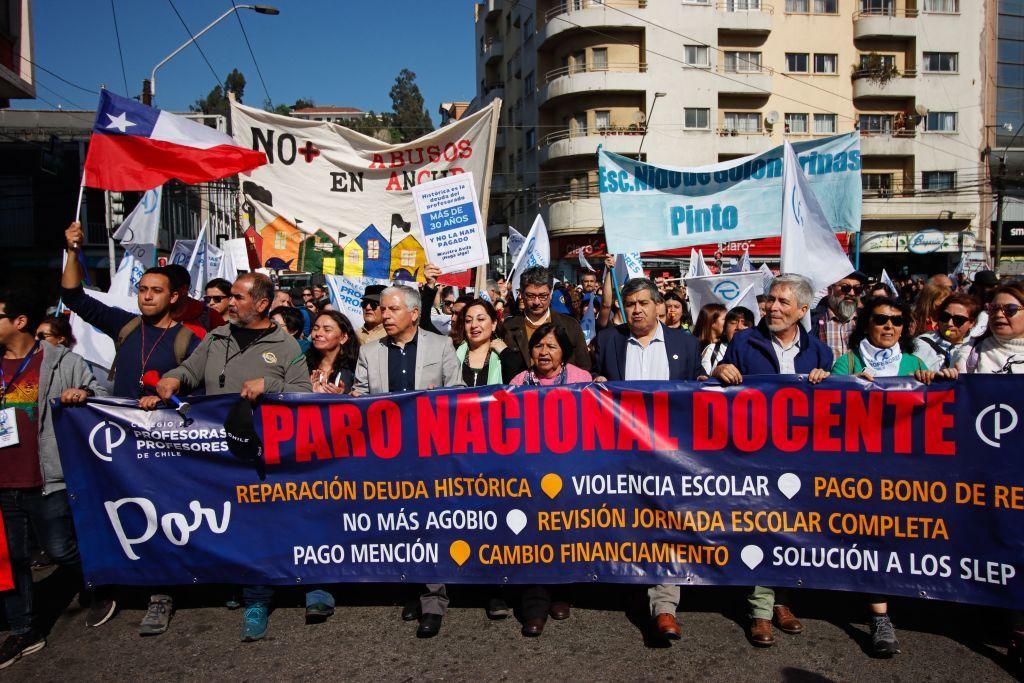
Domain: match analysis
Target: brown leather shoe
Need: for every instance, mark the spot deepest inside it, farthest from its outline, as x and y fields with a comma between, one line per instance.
x=760, y=633
x=533, y=627
x=559, y=611
x=668, y=627
x=786, y=622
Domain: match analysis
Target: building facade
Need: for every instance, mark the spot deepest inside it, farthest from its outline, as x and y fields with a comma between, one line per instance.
x=695, y=82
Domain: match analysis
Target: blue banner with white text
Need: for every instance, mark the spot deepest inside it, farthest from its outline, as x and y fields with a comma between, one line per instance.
x=650, y=208
x=888, y=487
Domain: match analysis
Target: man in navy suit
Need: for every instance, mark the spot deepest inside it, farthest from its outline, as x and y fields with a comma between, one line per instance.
x=644, y=349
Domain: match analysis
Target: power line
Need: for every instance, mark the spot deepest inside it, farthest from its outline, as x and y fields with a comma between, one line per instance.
x=120, y=52
x=252, y=54
x=196, y=43
x=51, y=90
x=59, y=77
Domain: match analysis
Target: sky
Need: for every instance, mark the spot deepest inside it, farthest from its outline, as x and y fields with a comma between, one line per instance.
x=337, y=52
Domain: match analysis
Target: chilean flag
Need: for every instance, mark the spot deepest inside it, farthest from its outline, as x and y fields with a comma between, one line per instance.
x=135, y=147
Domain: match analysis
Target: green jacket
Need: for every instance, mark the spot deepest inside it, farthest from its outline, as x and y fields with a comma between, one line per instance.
x=909, y=364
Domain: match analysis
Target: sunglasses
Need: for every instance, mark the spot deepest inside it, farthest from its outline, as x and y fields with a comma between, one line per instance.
x=215, y=299
x=850, y=289
x=881, y=320
x=1009, y=310
x=371, y=304
x=447, y=304
x=307, y=295
x=958, y=320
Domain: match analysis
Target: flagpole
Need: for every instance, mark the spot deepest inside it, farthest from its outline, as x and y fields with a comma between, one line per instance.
x=618, y=295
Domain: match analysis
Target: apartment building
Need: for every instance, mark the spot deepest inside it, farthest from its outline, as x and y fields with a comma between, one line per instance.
x=692, y=82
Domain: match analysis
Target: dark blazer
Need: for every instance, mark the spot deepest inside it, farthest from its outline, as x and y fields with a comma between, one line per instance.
x=515, y=337
x=610, y=346
x=751, y=351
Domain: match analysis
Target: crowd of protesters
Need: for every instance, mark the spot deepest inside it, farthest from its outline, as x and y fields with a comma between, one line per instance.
x=434, y=336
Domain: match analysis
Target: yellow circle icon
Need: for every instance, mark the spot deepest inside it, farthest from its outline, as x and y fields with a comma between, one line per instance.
x=459, y=551
x=551, y=484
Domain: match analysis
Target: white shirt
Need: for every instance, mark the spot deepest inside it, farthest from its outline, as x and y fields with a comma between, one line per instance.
x=647, y=362
x=786, y=354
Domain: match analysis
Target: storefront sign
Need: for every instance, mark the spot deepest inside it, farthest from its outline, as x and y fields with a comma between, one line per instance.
x=926, y=241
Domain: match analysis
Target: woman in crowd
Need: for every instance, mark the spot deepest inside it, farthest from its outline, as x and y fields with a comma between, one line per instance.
x=1000, y=351
x=739, y=318
x=926, y=307
x=549, y=347
x=291, y=320
x=708, y=330
x=56, y=330
x=881, y=345
x=484, y=356
x=332, y=354
x=955, y=318
x=675, y=309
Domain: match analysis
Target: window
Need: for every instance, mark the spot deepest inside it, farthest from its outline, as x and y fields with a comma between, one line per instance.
x=696, y=117
x=578, y=124
x=939, y=62
x=603, y=119
x=743, y=122
x=824, y=124
x=280, y=240
x=941, y=122
x=531, y=138
x=881, y=62
x=696, y=55
x=946, y=6
x=886, y=7
x=800, y=6
x=938, y=180
x=696, y=2
x=578, y=62
x=826, y=6
x=528, y=30
x=796, y=62
x=407, y=257
x=372, y=249
x=796, y=123
x=876, y=181
x=743, y=62
x=876, y=124
x=825, y=64
x=742, y=5
x=600, y=59
x=529, y=84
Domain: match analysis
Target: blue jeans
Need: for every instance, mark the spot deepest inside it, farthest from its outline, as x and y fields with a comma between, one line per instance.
x=319, y=596
x=254, y=594
x=50, y=518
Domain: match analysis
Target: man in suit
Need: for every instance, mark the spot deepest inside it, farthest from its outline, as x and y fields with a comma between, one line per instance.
x=644, y=349
x=409, y=358
x=535, y=287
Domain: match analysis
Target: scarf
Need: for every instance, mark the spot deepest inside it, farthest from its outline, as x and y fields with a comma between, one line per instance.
x=1000, y=357
x=881, y=362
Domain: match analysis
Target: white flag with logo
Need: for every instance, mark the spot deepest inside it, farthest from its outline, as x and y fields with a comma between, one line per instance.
x=516, y=240
x=140, y=231
x=748, y=300
x=767, y=277
x=588, y=323
x=126, y=279
x=584, y=263
x=744, y=265
x=809, y=246
x=887, y=281
x=628, y=266
x=536, y=251
x=727, y=289
x=697, y=266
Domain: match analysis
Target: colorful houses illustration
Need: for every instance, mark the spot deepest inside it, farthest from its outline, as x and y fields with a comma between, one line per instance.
x=368, y=254
x=314, y=249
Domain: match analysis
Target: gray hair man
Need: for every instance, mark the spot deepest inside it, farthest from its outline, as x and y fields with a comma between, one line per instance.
x=779, y=345
x=409, y=358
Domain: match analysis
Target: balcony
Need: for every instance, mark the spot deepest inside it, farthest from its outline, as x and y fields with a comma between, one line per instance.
x=748, y=21
x=749, y=83
x=737, y=143
x=499, y=140
x=573, y=215
x=898, y=143
x=585, y=141
x=900, y=86
x=492, y=8
x=493, y=50
x=492, y=92
x=574, y=80
x=890, y=23
x=595, y=15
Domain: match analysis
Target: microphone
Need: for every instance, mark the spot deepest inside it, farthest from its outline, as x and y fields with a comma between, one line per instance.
x=150, y=379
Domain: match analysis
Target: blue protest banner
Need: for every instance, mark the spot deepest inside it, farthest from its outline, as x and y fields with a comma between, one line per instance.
x=648, y=207
x=888, y=487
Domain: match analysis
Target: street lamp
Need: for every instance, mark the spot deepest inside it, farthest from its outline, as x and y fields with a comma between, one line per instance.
x=149, y=86
x=647, y=122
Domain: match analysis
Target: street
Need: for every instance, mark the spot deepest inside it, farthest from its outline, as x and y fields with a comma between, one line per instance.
x=366, y=640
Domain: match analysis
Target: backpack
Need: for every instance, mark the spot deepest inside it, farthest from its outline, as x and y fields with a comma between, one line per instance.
x=182, y=339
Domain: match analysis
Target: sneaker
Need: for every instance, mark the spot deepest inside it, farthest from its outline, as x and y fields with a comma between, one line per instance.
x=158, y=616
x=883, y=636
x=16, y=647
x=317, y=613
x=497, y=608
x=232, y=603
x=254, y=624
x=100, y=611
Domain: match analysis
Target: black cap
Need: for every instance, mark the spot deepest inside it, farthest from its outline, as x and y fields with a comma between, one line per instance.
x=241, y=436
x=372, y=293
x=859, y=277
x=986, y=278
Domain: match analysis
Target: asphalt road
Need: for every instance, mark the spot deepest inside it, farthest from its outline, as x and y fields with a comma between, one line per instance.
x=603, y=640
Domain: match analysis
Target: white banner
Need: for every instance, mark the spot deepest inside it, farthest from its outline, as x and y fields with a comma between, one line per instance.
x=536, y=251
x=332, y=198
x=93, y=345
x=139, y=233
x=449, y=218
x=727, y=289
x=347, y=292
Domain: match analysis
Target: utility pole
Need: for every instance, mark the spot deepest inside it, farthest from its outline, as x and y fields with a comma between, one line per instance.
x=147, y=92
x=1000, y=194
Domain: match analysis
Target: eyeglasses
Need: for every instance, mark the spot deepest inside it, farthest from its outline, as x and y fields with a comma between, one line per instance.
x=850, y=289
x=536, y=297
x=881, y=320
x=1009, y=310
x=214, y=299
x=307, y=295
x=371, y=304
x=958, y=320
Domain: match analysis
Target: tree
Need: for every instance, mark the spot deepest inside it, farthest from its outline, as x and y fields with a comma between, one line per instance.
x=217, y=101
x=409, y=119
x=285, y=110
